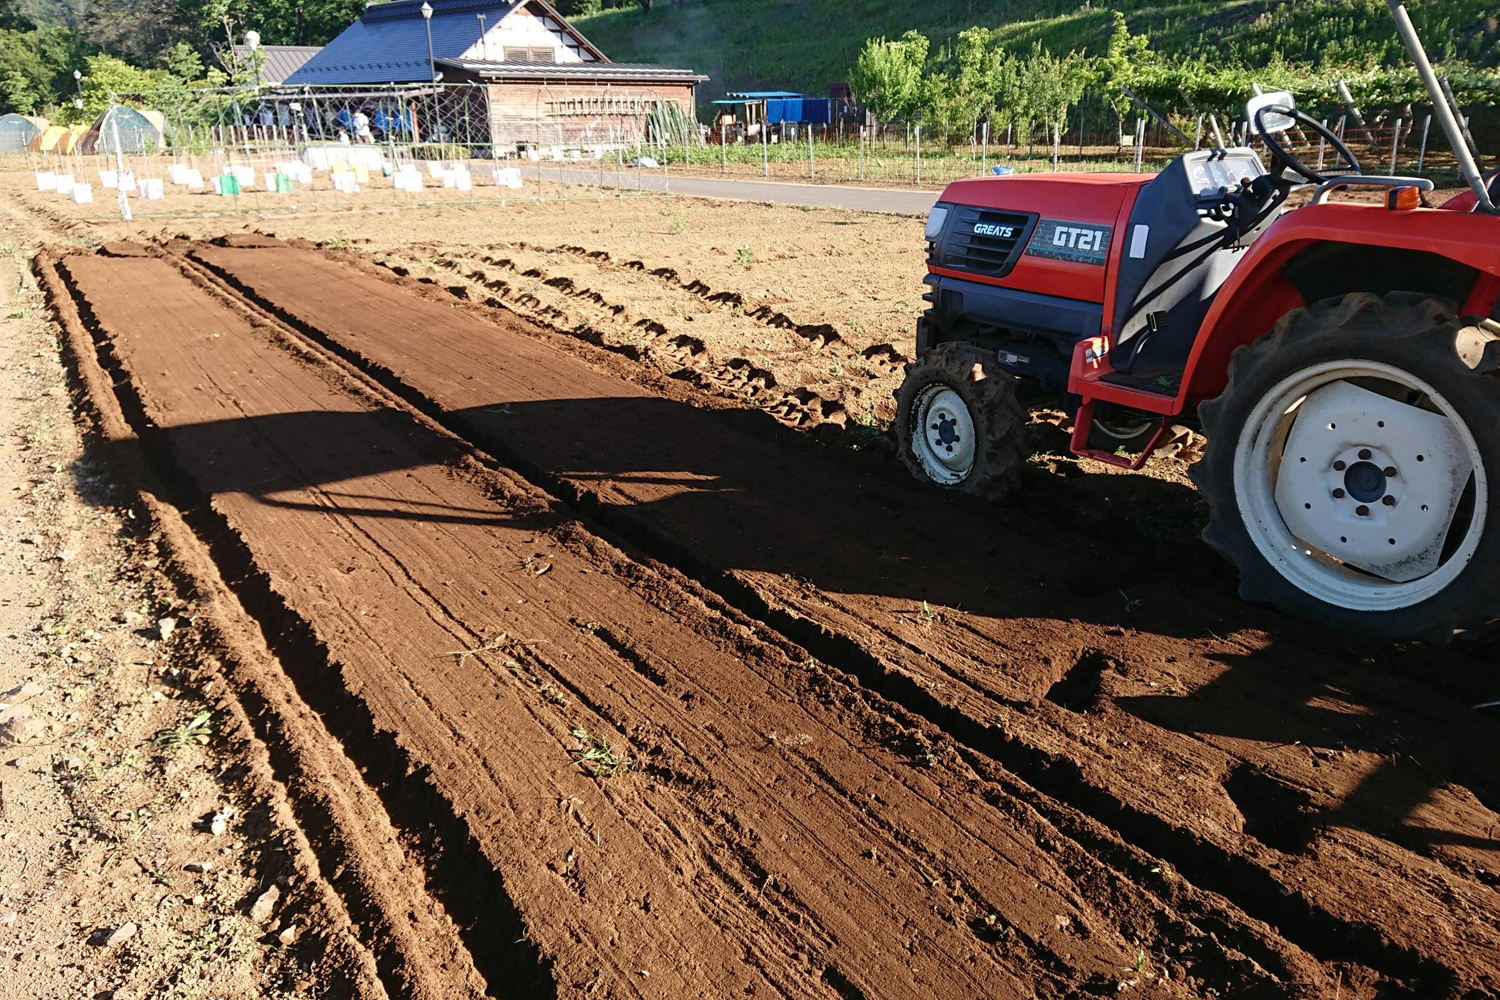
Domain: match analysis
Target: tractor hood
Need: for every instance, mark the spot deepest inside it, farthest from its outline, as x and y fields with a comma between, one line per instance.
x=1046, y=233
x=1091, y=197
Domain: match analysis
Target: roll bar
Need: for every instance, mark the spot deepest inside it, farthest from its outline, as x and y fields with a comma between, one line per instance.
x=1368, y=180
x=1441, y=107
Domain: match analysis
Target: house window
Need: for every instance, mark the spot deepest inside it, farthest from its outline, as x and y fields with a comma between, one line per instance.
x=514, y=53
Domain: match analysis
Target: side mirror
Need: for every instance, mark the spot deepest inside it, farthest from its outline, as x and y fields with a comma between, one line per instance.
x=1271, y=122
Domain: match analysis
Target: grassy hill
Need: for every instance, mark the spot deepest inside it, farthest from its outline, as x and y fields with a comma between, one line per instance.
x=805, y=44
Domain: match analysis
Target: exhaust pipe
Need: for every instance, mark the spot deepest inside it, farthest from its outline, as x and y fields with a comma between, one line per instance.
x=1441, y=107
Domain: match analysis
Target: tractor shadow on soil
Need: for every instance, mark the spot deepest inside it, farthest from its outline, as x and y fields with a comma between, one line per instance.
x=1312, y=721
x=693, y=487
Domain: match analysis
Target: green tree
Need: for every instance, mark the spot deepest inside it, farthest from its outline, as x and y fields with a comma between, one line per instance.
x=1126, y=57
x=887, y=76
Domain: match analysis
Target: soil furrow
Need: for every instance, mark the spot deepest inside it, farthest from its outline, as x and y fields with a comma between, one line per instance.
x=320, y=509
x=874, y=577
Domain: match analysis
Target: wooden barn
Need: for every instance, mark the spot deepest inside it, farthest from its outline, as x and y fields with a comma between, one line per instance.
x=542, y=82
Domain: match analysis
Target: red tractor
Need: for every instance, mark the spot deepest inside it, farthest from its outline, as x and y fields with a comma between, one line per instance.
x=1343, y=358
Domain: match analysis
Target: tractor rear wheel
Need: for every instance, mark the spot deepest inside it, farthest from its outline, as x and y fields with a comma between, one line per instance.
x=1351, y=464
x=959, y=423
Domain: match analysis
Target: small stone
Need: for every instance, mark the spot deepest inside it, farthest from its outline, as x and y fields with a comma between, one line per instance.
x=198, y=866
x=288, y=936
x=197, y=900
x=165, y=627
x=220, y=821
x=9, y=917
x=118, y=936
x=260, y=911
x=15, y=731
x=16, y=695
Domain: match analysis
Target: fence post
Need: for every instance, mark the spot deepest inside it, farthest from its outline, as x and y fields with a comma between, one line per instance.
x=984, y=160
x=723, y=151
x=918, y=133
x=1395, y=142
x=114, y=128
x=1056, y=144
x=861, y=153
x=1322, y=143
x=1140, y=143
x=765, y=157
x=1422, y=156
x=1198, y=133
x=811, y=172
x=1008, y=129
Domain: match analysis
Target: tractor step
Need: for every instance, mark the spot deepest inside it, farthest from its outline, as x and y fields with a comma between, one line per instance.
x=1157, y=380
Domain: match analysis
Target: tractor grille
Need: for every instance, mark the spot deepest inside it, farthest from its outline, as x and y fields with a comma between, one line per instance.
x=968, y=243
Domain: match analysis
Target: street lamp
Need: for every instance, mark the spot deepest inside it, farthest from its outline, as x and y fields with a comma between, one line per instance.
x=252, y=40
x=437, y=114
x=78, y=84
x=484, y=49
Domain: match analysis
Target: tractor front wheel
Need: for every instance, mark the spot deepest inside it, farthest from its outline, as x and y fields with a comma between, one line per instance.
x=959, y=423
x=1350, y=466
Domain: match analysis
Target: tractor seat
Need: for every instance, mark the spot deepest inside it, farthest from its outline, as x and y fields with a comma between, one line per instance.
x=1170, y=271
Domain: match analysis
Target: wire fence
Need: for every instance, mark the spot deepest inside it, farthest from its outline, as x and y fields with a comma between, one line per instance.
x=183, y=153
x=905, y=155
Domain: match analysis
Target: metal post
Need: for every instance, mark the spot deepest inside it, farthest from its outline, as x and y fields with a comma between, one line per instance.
x=1322, y=144
x=1395, y=142
x=919, y=154
x=765, y=158
x=1443, y=106
x=1008, y=129
x=1422, y=154
x=1140, y=143
x=811, y=170
x=984, y=160
x=1056, y=142
x=861, y=153
x=723, y=151
x=114, y=128
x=1198, y=133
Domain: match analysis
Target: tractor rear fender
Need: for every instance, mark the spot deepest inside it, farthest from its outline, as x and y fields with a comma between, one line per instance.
x=1452, y=254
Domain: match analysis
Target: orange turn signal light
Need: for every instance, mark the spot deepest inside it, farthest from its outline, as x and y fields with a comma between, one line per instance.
x=1403, y=199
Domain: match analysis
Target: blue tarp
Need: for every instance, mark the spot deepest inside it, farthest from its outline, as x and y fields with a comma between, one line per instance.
x=813, y=110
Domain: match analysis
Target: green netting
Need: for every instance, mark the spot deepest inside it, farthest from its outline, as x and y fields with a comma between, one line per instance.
x=15, y=132
x=136, y=132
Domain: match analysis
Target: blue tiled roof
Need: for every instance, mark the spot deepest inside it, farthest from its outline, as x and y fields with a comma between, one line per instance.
x=388, y=44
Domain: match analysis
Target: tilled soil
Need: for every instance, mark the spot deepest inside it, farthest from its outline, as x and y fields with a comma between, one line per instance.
x=880, y=743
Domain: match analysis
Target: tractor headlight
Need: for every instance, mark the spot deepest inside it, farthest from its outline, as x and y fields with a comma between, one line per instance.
x=935, y=222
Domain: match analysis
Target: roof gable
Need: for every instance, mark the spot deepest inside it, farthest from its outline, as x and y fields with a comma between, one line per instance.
x=388, y=44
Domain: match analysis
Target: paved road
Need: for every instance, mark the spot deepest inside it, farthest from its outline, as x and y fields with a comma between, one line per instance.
x=826, y=195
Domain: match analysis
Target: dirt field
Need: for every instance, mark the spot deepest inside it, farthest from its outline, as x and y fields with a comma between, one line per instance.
x=601, y=650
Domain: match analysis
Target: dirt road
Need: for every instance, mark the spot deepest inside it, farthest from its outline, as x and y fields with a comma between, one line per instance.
x=880, y=745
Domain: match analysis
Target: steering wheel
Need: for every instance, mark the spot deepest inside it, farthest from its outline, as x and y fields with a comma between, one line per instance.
x=1302, y=118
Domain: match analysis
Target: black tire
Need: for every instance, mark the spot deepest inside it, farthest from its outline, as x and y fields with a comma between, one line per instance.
x=1115, y=427
x=989, y=393
x=1458, y=358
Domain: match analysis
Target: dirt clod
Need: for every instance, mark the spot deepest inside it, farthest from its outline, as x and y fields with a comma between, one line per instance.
x=113, y=938
x=265, y=904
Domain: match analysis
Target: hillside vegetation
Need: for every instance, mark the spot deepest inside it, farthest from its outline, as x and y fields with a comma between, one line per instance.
x=806, y=44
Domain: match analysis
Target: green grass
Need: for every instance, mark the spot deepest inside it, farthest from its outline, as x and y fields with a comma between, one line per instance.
x=806, y=44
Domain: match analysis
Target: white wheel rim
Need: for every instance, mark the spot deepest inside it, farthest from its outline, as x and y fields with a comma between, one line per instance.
x=942, y=435
x=1358, y=497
